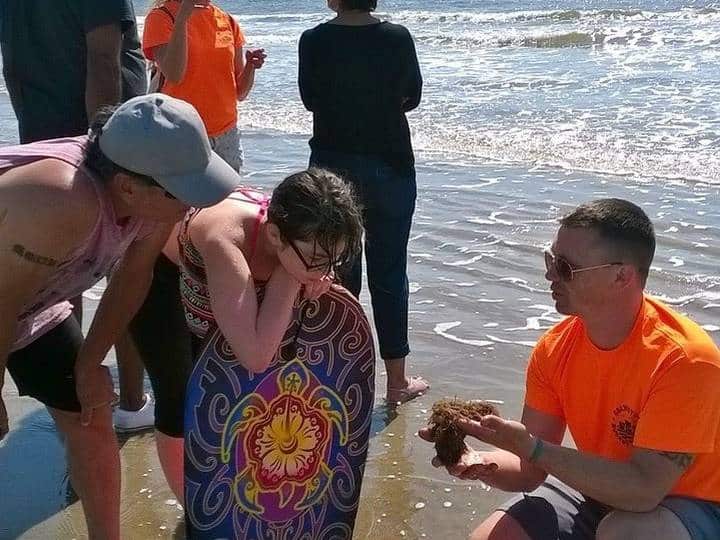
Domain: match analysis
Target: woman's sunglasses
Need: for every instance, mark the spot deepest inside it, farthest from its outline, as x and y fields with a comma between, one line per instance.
x=327, y=266
x=565, y=270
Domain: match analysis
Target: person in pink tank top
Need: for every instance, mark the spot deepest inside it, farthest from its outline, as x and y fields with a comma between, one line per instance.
x=70, y=211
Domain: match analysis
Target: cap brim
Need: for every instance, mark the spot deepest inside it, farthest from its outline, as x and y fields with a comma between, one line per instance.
x=203, y=188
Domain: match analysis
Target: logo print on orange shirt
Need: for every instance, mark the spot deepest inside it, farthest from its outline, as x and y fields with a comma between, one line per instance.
x=223, y=39
x=224, y=34
x=624, y=421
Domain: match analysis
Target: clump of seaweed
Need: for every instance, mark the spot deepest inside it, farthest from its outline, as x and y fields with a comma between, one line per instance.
x=449, y=439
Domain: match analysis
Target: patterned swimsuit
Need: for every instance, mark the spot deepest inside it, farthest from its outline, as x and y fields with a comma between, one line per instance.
x=193, y=280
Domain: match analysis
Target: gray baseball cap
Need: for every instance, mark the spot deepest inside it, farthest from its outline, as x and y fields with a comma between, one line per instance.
x=163, y=137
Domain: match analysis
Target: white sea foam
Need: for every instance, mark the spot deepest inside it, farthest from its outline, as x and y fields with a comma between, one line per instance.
x=684, y=300
x=466, y=262
x=521, y=283
x=676, y=261
x=492, y=219
x=570, y=15
x=441, y=329
x=472, y=187
x=549, y=316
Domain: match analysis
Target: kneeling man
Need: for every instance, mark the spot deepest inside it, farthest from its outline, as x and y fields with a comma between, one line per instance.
x=636, y=383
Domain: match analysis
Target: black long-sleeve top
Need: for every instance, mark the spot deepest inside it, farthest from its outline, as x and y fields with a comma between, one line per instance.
x=359, y=81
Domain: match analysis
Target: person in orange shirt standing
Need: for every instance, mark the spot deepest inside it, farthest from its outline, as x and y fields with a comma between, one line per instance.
x=636, y=384
x=197, y=49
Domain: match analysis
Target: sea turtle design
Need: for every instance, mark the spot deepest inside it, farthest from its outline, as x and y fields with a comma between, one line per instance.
x=284, y=443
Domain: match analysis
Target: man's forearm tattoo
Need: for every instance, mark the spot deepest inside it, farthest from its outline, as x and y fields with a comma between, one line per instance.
x=23, y=253
x=3, y=216
x=681, y=460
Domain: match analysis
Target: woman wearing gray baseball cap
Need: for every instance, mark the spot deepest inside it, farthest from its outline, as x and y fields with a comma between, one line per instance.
x=70, y=210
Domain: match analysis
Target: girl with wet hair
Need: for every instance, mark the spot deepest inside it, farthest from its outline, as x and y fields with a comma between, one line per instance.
x=309, y=227
x=289, y=244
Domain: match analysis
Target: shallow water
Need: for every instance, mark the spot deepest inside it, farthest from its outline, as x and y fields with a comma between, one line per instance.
x=520, y=107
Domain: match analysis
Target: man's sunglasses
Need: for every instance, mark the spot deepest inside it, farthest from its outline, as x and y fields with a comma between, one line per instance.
x=565, y=270
x=154, y=183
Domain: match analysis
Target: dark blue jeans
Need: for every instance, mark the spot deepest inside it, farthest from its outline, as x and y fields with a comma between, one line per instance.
x=387, y=195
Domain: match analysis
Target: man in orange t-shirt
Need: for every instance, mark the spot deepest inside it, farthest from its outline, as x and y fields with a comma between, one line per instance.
x=637, y=385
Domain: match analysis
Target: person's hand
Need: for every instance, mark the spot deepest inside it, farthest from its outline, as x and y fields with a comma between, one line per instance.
x=287, y=282
x=316, y=288
x=4, y=426
x=255, y=58
x=504, y=434
x=473, y=465
x=94, y=388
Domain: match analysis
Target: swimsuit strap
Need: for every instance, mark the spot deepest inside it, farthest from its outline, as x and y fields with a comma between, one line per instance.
x=259, y=220
x=184, y=235
x=262, y=202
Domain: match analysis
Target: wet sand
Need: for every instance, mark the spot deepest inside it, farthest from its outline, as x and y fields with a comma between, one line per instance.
x=403, y=496
x=478, y=303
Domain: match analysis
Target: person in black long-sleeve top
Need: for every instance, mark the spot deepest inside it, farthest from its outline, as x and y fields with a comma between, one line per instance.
x=359, y=76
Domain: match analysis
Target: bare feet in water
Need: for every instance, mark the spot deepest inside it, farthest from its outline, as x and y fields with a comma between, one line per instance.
x=414, y=387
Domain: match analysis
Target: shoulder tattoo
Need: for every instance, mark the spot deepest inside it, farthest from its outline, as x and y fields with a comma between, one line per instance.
x=28, y=255
x=683, y=461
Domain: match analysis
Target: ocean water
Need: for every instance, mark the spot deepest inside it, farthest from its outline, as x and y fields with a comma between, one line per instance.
x=529, y=108
x=621, y=87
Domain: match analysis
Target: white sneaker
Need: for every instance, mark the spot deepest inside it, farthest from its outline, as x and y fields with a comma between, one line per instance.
x=128, y=421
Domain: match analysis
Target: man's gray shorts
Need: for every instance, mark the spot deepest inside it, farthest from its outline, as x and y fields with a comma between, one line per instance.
x=228, y=145
x=555, y=511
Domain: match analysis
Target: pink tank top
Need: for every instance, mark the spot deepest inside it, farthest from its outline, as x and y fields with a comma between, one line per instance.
x=90, y=262
x=193, y=281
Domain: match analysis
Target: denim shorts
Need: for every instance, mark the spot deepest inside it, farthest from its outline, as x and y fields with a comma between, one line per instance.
x=555, y=511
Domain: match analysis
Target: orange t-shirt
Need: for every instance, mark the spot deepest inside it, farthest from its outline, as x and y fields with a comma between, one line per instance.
x=659, y=390
x=209, y=82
